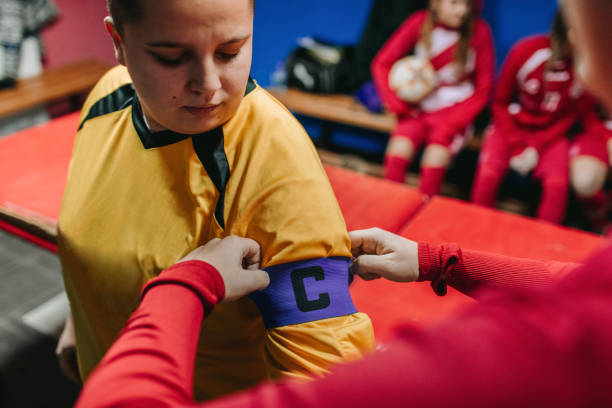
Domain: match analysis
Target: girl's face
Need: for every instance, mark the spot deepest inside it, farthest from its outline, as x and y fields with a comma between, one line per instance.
x=451, y=13
x=189, y=61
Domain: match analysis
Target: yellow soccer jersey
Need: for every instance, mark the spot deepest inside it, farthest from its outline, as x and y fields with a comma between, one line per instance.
x=137, y=201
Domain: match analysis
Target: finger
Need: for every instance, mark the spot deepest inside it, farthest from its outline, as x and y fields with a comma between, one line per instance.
x=261, y=279
x=357, y=238
x=251, y=252
x=365, y=241
x=211, y=242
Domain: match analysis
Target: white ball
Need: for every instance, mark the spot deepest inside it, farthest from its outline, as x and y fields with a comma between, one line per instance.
x=412, y=78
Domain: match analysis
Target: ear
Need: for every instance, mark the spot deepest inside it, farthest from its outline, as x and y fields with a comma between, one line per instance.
x=116, y=37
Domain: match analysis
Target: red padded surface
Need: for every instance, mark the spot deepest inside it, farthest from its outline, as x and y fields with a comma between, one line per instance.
x=369, y=202
x=475, y=227
x=448, y=220
x=34, y=168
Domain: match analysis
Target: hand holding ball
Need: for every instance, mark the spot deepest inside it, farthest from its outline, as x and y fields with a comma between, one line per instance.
x=412, y=78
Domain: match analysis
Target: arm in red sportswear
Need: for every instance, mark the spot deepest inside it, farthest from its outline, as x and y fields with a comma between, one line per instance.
x=525, y=342
x=152, y=363
x=505, y=94
x=469, y=271
x=396, y=47
x=593, y=120
x=454, y=119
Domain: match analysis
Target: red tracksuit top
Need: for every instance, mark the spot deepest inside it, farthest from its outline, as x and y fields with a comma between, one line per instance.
x=479, y=73
x=535, y=343
x=535, y=105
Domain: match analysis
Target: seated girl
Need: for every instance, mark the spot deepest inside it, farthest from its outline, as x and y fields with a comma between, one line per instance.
x=459, y=46
x=535, y=106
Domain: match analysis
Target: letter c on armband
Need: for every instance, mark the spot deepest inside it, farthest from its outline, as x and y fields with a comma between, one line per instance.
x=305, y=291
x=301, y=298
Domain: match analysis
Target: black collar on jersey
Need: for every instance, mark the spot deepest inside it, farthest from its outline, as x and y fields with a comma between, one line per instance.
x=208, y=146
x=165, y=137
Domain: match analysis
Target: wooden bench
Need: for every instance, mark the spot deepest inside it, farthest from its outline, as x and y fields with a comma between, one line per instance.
x=342, y=109
x=52, y=85
x=346, y=110
x=334, y=108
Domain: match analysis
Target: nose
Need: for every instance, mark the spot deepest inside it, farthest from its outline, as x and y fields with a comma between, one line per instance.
x=204, y=78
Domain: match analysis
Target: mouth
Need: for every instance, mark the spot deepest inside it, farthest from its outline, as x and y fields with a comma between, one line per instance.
x=201, y=110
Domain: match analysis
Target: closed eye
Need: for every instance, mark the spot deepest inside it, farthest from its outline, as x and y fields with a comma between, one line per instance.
x=168, y=60
x=227, y=56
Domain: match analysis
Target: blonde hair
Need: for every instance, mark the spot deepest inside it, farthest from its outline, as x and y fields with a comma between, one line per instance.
x=466, y=32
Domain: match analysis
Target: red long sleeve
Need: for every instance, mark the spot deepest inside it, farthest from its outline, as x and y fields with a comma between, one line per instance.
x=528, y=347
x=397, y=46
x=469, y=271
x=152, y=364
x=506, y=91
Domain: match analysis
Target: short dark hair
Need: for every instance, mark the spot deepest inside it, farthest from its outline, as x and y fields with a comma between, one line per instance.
x=124, y=11
x=130, y=11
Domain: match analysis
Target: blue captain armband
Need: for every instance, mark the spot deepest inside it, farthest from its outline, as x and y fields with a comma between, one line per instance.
x=305, y=291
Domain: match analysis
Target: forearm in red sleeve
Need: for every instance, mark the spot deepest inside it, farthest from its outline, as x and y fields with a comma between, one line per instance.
x=506, y=90
x=532, y=347
x=454, y=119
x=505, y=94
x=396, y=47
x=536, y=347
x=152, y=362
x=469, y=271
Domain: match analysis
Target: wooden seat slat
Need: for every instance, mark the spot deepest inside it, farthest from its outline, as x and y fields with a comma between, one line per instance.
x=52, y=85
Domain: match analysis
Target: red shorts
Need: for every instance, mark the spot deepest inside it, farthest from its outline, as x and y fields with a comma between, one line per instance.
x=553, y=162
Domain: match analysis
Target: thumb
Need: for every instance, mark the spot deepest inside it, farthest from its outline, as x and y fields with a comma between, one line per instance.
x=366, y=265
x=260, y=278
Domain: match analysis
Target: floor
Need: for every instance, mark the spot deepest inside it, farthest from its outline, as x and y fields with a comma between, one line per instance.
x=31, y=311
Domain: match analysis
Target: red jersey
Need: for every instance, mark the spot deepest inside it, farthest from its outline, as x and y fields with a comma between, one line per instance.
x=599, y=123
x=537, y=100
x=462, y=93
x=540, y=342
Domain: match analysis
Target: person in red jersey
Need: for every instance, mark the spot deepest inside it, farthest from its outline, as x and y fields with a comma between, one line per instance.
x=538, y=341
x=530, y=345
x=459, y=46
x=536, y=103
x=589, y=164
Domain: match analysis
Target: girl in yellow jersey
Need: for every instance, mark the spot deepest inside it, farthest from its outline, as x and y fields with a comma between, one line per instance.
x=177, y=146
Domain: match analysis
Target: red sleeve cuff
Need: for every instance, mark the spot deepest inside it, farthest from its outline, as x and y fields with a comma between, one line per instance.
x=436, y=263
x=200, y=277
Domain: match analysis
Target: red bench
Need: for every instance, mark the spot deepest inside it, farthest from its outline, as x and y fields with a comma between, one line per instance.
x=472, y=227
x=33, y=176
x=369, y=202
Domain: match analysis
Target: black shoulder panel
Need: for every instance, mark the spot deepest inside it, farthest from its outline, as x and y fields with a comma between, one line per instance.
x=120, y=99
